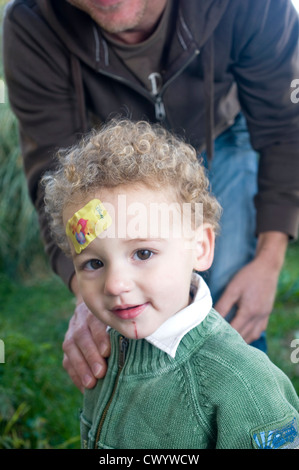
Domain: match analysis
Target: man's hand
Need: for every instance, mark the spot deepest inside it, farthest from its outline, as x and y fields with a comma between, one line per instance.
x=86, y=345
x=253, y=288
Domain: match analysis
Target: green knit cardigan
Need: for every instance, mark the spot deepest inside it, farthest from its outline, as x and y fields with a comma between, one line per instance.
x=217, y=392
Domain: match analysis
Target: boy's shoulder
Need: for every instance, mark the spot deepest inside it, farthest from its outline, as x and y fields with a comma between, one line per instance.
x=227, y=356
x=251, y=394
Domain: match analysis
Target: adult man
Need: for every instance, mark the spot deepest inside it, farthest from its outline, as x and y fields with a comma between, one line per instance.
x=192, y=66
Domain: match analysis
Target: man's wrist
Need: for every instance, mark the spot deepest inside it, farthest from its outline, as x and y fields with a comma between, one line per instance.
x=271, y=248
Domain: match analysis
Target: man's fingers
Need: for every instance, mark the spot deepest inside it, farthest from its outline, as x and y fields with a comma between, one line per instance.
x=83, y=357
x=226, y=302
x=99, y=335
x=249, y=325
x=86, y=345
x=71, y=372
x=76, y=366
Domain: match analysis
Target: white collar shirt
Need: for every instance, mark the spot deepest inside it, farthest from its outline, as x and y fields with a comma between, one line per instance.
x=168, y=336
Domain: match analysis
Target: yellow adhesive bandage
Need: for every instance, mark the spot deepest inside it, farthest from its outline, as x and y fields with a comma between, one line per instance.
x=87, y=224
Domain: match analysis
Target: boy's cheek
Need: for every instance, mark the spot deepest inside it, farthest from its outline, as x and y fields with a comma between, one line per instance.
x=91, y=297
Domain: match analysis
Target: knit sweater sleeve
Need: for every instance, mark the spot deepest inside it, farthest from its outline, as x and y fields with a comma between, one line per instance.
x=252, y=403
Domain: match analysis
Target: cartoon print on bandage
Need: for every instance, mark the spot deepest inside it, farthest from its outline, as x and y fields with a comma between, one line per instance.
x=88, y=223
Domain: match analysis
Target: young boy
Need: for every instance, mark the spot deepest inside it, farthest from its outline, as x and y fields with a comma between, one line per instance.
x=125, y=204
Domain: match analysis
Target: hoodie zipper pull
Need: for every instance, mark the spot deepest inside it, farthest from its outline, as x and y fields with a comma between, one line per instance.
x=160, y=109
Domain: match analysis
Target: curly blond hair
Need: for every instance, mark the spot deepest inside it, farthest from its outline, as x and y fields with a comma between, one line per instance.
x=124, y=152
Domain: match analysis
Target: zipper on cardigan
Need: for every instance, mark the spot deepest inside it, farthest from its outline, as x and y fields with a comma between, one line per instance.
x=123, y=347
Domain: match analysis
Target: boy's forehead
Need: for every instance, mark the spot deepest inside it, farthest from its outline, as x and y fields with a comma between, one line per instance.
x=123, y=197
x=132, y=213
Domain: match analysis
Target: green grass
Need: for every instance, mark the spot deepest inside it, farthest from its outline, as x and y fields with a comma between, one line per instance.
x=38, y=403
x=283, y=326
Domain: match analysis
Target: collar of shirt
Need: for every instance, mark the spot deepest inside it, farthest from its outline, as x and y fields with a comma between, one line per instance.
x=168, y=336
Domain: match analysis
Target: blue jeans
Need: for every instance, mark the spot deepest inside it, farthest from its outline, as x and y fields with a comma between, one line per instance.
x=233, y=179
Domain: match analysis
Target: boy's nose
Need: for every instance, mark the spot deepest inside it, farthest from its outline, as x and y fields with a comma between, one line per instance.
x=117, y=282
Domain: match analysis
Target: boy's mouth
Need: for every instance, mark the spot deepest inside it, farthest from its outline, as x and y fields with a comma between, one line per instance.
x=128, y=312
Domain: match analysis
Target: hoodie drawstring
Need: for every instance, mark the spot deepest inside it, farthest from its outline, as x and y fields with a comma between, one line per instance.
x=79, y=89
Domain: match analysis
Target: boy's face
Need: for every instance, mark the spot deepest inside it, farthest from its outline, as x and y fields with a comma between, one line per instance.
x=132, y=277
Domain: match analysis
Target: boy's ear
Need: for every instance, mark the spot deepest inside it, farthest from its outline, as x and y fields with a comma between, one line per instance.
x=204, y=248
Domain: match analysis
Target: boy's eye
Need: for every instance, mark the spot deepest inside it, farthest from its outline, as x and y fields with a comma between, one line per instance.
x=93, y=264
x=143, y=255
